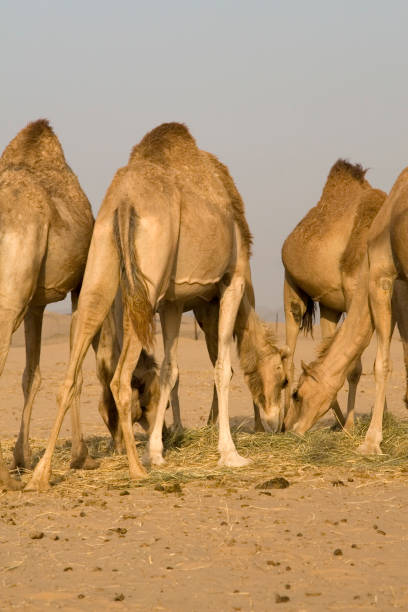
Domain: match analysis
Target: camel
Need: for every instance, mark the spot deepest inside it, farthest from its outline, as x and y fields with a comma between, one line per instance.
x=321, y=257
x=168, y=232
x=380, y=299
x=44, y=238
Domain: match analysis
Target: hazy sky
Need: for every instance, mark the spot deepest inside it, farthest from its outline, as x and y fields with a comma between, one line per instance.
x=277, y=89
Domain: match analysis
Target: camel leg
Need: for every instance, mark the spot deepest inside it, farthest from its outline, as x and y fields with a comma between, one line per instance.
x=207, y=316
x=380, y=288
x=175, y=406
x=399, y=302
x=6, y=329
x=31, y=382
x=328, y=323
x=20, y=263
x=80, y=459
x=353, y=379
x=122, y=392
x=295, y=303
x=229, y=304
x=98, y=291
x=170, y=316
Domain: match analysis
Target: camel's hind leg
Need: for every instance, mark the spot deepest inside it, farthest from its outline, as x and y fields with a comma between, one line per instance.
x=31, y=382
x=380, y=290
x=99, y=287
x=80, y=459
x=21, y=256
x=122, y=392
x=170, y=316
x=328, y=323
x=295, y=304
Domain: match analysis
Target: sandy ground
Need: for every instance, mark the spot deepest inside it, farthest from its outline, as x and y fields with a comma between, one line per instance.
x=312, y=546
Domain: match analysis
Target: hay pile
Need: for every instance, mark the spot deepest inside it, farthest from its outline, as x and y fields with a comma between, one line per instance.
x=192, y=456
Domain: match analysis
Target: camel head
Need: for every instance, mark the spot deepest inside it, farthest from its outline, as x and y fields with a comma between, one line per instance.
x=145, y=392
x=265, y=375
x=310, y=401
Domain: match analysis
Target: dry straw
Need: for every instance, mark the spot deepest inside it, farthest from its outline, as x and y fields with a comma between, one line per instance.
x=192, y=456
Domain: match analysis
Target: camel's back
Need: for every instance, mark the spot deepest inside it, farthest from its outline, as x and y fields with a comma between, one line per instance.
x=312, y=253
x=36, y=153
x=206, y=186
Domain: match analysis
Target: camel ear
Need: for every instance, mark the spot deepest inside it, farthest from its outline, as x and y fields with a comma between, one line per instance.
x=284, y=352
x=308, y=370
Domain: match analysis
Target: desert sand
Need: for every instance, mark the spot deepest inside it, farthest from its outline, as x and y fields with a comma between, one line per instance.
x=316, y=545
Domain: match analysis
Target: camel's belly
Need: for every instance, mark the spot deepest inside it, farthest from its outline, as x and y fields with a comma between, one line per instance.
x=186, y=292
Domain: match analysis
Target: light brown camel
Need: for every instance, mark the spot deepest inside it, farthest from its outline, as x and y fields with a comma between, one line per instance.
x=386, y=261
x=322, y=256
x=46, y=227
x=169, y=233
x=254, y=337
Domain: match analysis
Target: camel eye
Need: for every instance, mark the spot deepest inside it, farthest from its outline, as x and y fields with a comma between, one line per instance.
x=285, y=383
x=295, y=396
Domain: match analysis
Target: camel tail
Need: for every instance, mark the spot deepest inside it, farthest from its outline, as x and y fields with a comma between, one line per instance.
x=309, y=317
x=135, y=294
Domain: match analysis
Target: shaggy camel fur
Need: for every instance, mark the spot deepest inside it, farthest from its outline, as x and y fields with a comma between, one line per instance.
x=385, y=267
x=46, y=227
x=322, y=257
x=169, y=232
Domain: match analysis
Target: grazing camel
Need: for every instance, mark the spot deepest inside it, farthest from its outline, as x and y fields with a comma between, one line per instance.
x=46, y=227
x=168, y=232
x=322, y=256
x=385, y=267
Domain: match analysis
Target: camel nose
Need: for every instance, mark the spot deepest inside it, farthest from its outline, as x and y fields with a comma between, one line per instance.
x=274, y=419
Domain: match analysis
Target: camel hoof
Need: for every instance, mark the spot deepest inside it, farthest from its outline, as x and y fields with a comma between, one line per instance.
x=38, y=485
x=369, y=448
x=233, y=459
x=157, y=459
x=11, y=484
x=137, y=473
x=84, y=463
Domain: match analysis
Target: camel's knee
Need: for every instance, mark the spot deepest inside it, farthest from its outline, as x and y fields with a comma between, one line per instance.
x=382, y=369
x=222, y=374
x=297, y=310
x=355, y=374
x=31, y=380
x=169, y=374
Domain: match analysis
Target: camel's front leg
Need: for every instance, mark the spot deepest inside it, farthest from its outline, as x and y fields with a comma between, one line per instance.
x=31, y=383
x=353, y=379
x=229, y=304
x=170, y=316
x=295, y=304
x=380, y=301
x=175, y=406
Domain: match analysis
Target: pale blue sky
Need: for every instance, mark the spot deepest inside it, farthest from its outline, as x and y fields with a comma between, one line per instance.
x=277, y=89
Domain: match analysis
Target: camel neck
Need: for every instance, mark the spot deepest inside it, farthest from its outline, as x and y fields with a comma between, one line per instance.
x=349, y=342
x=247, y=327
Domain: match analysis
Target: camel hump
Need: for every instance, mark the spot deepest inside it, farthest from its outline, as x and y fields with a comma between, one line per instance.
x=165, y=144
x=34, y=145
x=343, y=168
x=371, y=201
